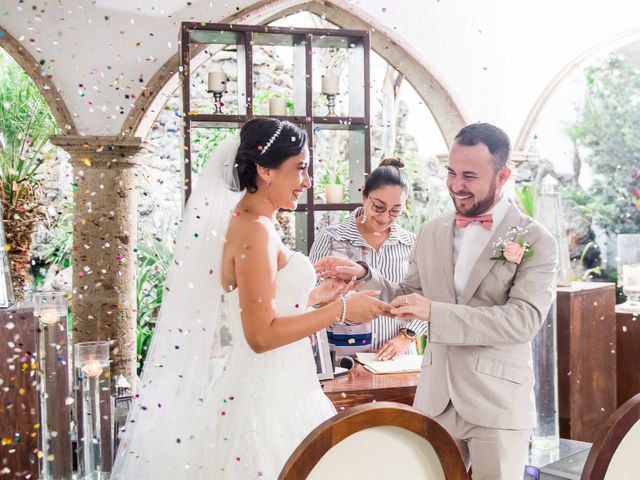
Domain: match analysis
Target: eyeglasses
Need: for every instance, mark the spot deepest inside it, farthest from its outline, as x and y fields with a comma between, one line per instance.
x=378, y=207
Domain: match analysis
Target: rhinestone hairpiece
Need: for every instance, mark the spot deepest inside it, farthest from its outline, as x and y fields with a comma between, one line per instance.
x=272, y=139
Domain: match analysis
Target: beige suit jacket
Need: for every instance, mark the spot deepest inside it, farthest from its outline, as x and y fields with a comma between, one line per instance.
x=479, y=355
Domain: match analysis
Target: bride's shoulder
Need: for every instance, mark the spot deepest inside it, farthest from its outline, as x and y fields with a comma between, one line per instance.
x=248, y=227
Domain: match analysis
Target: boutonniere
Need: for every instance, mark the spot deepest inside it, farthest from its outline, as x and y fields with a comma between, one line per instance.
x=513, y=248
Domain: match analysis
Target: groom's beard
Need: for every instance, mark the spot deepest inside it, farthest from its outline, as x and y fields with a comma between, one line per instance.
x=479, y=206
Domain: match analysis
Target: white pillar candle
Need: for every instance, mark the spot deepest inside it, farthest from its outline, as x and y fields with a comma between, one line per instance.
x=93, y=368
x=49, y=316
x=217, y=82
x=278, y=107
x=330, y=84
x=630, y=275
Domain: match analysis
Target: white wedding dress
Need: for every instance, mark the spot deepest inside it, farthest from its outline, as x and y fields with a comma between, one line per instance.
x=204, y=411
x=267, y=403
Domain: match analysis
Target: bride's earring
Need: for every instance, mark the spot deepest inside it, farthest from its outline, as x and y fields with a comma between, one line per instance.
x=364, y=219
x=268, y=183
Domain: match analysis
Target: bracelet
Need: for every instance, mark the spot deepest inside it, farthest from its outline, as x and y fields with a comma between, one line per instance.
x=343, y=317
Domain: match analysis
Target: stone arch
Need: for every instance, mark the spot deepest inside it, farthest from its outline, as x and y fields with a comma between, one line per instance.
x=44, y=83
x=385, y=43
x=527, y=131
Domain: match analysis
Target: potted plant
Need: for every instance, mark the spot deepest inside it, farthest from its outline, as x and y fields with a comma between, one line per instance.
x=334, y=178
x=26, y=123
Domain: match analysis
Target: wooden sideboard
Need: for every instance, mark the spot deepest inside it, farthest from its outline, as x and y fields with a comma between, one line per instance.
x=361, y=386
x=18, y=395
x=586, y=358
x=628, y=355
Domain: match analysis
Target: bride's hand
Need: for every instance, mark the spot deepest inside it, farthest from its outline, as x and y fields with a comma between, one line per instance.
x=329, y=289
x=339, y=267
x=362, y=307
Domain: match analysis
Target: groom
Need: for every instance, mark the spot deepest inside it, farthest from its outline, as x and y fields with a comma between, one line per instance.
x=482, y=280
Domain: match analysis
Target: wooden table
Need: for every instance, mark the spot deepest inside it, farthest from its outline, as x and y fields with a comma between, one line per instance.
x=361, y=386
x=628, y=355
x=18, y=397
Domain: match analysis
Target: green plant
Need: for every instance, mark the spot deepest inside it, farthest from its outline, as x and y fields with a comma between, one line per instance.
x=607, y=129
x=59, y=247
x=154, y=258
x=25, y=126
x=428, y=195
x=336, y=173
x=206, y=142
x=26, y=123
x=526, y=194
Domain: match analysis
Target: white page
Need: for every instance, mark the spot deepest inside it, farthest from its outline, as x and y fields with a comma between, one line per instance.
x=404, y=363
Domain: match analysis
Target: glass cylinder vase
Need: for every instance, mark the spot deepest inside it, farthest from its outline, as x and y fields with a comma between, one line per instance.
x=55, y=454
x=93, y=410
x=629, y=271
x=549, y=212
x=546, y=432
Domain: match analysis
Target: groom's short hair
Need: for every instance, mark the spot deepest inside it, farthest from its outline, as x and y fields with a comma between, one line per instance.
x=494, y=138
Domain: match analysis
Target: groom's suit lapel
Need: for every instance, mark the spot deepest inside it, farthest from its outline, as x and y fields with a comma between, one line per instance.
x=444, y=251
x=484, y=262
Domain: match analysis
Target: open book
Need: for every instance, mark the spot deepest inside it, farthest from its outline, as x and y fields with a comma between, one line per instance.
x=403, y=364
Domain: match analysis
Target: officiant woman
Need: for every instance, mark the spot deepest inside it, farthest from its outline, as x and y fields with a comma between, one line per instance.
x=370, y=234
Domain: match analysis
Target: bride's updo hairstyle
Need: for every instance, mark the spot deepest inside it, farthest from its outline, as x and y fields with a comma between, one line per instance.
x=266, y=142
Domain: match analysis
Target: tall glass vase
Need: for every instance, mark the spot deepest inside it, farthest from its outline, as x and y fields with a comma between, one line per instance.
x=93, y=410
x=546, y=433
x=549, y=212
x=55, y=455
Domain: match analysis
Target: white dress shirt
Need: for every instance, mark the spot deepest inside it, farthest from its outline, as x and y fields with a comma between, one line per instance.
x=469, y=242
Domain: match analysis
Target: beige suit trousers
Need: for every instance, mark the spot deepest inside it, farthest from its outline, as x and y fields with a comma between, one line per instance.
x=494, y=454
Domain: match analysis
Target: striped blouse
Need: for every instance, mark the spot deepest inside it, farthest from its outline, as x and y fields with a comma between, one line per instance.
x=391, y=260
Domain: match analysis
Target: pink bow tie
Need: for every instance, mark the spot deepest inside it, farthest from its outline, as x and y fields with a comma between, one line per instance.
x=485, y=220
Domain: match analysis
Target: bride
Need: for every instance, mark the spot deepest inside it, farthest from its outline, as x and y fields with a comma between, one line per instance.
x=208, y=411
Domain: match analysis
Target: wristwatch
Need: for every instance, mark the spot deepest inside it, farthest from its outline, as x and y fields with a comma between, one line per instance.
x=408, y=333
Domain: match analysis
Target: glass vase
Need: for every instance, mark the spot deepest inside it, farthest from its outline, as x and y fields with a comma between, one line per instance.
x=93, y=410
x=55, y=453
x=546, y=433
x=549, y=212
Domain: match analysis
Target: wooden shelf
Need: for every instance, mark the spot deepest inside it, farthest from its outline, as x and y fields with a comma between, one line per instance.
x=243, y=40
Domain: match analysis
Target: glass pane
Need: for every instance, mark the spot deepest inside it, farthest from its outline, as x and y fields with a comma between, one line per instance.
x=204, y=141
x=273, y=74
x=338, y=165
x=218, y=69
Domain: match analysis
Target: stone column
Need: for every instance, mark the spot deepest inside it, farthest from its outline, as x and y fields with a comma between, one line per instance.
x=104, y=238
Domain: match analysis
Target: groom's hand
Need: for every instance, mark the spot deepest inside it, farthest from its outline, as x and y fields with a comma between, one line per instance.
x=339, y=267
x=408, y=307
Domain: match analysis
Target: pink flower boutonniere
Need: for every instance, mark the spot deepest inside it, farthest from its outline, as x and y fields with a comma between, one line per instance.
x=513, y=248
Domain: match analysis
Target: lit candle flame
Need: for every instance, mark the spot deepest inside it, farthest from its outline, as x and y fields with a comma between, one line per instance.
x=49, y=316
x=92, y=368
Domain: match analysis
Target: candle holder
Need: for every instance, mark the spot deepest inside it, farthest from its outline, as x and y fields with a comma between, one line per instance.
x=55, y=457
x=331, y=104
x=629, y=271
x=93, y=410
x=631, y=288
x=121, y=405
x=217, y=103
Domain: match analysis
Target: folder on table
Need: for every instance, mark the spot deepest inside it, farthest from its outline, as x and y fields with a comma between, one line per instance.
x=403, y=364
